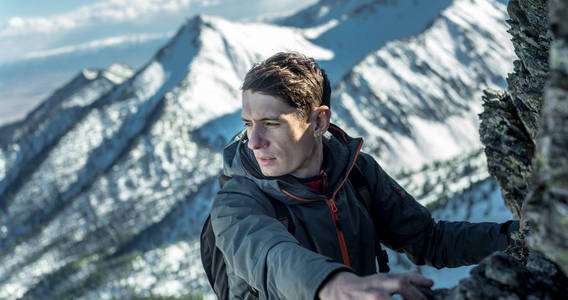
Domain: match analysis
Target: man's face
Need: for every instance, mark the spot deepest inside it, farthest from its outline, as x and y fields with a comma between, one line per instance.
x=282, y=141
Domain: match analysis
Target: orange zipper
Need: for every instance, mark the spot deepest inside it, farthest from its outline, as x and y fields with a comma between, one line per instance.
x=333, y=209
x=340, y=237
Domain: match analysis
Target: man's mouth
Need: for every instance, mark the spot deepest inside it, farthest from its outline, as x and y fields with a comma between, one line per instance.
x=265, y=160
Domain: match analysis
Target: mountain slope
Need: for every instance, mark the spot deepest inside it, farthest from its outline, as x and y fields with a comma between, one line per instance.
x=417, y=100
x=50, y=69
x=353, y=29
x=23, y=142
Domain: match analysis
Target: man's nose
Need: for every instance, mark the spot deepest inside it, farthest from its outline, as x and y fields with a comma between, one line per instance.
x=257, y=140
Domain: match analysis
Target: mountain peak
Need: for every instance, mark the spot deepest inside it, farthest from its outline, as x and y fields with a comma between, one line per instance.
x=116, y=73
x=353, y=29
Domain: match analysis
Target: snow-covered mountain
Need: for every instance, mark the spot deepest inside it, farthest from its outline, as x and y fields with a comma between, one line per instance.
x=23, y=142
x=414, y=100
x=417, y=99
x=353, y=29
x=104, y=187
x=28, y=81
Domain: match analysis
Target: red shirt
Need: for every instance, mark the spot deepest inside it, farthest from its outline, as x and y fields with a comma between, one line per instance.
x=317, y=182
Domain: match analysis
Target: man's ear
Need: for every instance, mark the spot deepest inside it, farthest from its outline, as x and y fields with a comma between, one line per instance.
x=321, y=116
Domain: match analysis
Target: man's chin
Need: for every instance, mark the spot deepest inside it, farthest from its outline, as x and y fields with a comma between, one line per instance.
x=270, y=172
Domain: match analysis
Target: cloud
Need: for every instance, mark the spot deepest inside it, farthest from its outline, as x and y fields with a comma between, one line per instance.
x=206, y=3
x=101, y=43
x=109, y=11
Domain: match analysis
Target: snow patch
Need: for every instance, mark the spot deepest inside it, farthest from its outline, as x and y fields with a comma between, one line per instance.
x=90, y=74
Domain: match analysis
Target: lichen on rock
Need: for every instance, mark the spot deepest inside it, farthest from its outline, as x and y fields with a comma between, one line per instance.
x=508, y=147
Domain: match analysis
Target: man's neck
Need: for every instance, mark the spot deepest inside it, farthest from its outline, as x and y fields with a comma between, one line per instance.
x=313, y=164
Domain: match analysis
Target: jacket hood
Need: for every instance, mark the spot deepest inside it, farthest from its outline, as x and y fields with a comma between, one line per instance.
x=340, y=150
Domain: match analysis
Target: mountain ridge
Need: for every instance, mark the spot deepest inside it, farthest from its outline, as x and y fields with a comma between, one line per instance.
x=427, y=83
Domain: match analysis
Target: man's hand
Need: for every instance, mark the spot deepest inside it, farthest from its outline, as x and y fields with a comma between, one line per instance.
x=346, y=285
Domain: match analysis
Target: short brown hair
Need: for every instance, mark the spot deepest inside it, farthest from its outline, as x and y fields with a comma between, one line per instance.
x=292, y=77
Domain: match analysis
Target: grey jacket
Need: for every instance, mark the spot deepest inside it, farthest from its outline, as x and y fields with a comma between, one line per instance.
x=332, y=232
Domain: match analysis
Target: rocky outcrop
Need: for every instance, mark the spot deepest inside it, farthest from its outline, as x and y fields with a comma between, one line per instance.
x=525, y=131
x=500, y=276
x=508, y=147
x=509, y=123
x=547, y=203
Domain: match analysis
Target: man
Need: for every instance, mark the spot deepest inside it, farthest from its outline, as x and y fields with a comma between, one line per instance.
x=292, y=154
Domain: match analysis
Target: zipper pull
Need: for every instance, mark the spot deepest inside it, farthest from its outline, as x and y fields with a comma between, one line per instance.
x=333, y=208
x=335, y=216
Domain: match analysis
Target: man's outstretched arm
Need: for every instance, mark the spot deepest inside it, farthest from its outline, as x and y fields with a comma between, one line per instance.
x=405, y=225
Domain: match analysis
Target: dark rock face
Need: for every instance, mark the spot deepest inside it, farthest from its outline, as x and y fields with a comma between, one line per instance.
x=525, y=131
x=547, y=203
x=508, y=147
x=531, y=39
x=509, y=123
x=500, y=276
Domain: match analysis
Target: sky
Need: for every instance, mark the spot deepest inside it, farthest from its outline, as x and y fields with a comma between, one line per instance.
x=43, y=44
x=31, y=28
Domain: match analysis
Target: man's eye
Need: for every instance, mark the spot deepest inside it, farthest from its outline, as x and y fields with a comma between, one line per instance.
x=271, y=124
x=247, y=124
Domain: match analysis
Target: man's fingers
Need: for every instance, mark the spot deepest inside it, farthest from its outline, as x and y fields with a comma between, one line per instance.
x=392, y=282
x=389, y=285
x=404, y=284
x=407, y=291
x=402, y=287
x=416, y=278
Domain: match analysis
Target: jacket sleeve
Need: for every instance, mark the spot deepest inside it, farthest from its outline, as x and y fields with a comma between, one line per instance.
x=404, y=225
x=260, y=250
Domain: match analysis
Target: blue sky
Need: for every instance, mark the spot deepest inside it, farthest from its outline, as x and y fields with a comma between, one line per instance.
x=29, y=8
x=32, y=27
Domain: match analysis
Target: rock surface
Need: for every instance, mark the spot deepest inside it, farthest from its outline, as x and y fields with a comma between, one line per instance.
x=508, y=147
x=547, y=203
x=500, y=276
x=525, y=131
x=509, y=124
